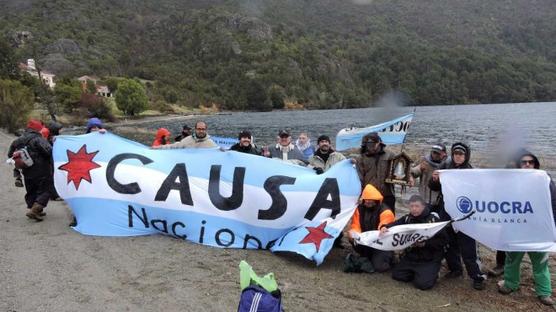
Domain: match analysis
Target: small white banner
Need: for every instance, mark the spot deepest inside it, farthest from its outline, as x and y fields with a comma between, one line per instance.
x=513, y=210
x=401, y=236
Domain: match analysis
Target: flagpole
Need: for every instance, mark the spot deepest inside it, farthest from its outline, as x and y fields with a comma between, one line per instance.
x=403, y=143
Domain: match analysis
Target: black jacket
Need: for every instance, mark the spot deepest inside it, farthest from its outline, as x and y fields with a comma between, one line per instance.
x=251, y=149
x=438, y=205
x=434, y=247
x=40, y=151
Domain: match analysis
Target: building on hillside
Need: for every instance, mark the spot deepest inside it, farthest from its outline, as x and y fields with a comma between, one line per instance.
x=83, y=80
x=103, y=91
x=46, y=77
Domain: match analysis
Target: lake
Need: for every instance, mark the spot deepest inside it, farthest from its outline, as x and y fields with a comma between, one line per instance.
x=488, y=128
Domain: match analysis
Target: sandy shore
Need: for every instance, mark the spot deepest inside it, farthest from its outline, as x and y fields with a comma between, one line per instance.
x=47, y=266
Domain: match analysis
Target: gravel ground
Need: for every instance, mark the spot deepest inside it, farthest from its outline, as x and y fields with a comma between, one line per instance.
x=47, y=266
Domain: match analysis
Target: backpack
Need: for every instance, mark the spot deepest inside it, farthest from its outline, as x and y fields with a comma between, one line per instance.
x=257, y=299
x=22, y=158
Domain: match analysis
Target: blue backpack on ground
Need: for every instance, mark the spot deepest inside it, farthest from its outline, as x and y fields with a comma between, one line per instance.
x=257, y=299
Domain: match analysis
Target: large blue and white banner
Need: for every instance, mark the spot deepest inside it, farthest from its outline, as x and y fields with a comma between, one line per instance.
x=118, y=187
x=513, y=210
x=391, y=132
x=225, y=143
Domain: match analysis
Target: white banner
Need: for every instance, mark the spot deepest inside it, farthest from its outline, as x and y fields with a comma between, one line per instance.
x=513, y=207
x=401, y=236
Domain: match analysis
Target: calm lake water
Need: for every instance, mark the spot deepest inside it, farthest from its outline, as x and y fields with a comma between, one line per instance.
x=486, y=128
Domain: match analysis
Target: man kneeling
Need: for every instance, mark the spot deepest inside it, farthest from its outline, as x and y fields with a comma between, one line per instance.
x=420, y=263
x=372, y=215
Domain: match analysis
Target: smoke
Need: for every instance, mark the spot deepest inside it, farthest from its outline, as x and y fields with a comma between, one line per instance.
x=393, y=99
x=391, y=105
x=508, y=146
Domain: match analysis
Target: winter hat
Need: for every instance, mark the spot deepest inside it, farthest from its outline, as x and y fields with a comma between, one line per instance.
x=323, y=138
x=459, y=147
x=94, y=122
x=370, y=192
x=244, y=134
x=34, y=124
x=439, y=147
x=283, y=132
x=372, y=137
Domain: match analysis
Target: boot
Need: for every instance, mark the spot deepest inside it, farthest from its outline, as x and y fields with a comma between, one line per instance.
x=35, y=212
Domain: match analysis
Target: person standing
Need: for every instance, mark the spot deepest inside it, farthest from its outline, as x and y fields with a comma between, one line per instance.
x=185, y=132
x=539, y=260
x=460, y=245
x=37, y=176
x=162, y=137
x=199, y=139
x=285, y=150
x=424, y=169
x=373, y=166
x=245, y=144
x=325, y=157
x=303, y=143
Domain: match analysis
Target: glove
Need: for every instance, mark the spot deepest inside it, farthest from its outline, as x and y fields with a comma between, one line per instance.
x=318, y=170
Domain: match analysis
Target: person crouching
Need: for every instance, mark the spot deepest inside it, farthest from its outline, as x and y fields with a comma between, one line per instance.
x=420, y=263
x=372, y=215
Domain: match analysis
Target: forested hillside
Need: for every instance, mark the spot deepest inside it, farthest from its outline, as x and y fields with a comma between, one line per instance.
x=319, y=53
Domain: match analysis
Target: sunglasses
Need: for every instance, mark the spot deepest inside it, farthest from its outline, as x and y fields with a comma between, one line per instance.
x=525, y=162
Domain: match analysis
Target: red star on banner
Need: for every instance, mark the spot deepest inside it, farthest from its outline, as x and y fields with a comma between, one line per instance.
x=316, y=235
x=79, y=166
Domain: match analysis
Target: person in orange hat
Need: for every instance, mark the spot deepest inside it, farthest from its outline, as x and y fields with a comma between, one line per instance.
x=162, y=137
x=371, y=215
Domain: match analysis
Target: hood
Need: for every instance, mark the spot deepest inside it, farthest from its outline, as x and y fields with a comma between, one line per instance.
x=527, y=153
x=93, y=122
x=34, y=124
x=370, y=192
x=162, y=132
x=460, y=145
x=303, y=147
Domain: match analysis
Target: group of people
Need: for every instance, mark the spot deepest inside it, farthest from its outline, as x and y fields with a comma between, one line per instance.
x=419, y=264
x=300, y=152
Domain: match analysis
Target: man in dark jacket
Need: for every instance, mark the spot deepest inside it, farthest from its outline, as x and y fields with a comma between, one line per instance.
x=38, y=176
x=421, y=262
x=460, y=245
x=245, y=144
x=373, y=166
x=185, y=132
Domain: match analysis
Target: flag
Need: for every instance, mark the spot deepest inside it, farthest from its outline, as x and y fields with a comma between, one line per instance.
x=391, y=132
x=401, y=236
x=117, y=187
x=513, y=210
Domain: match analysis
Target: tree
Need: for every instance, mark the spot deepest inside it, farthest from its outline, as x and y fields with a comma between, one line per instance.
x=68, y=95
x=131, y=97
x=277, y=95
x=91, y=87
x=8, y=62
x=16, y=102
x=256, y=97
